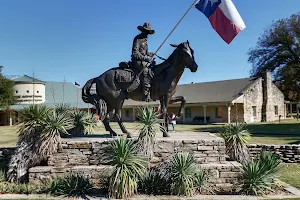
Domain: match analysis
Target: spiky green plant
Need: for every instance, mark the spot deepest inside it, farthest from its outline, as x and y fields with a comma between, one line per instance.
x=201, y=181
x=182, y=171
x=259, y=175
x=154, y=183
x=39, y=137
x=72, y=184
x=149, y=121
x=84, y=123
x=2, y=176
x=128, y=168
x=236, y=137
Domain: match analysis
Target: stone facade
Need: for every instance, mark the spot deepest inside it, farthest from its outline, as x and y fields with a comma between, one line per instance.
x=253, y=100
x=273, y=104
x=287, y=153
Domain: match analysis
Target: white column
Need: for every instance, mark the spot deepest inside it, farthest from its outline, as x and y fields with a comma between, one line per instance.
x=228, y=106
x=10, y=119
x=204, y=113
x=183, y=115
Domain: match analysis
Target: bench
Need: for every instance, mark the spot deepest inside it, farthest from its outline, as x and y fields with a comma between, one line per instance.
x=200, y=119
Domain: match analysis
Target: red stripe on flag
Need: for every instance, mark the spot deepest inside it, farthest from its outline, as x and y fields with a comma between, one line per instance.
x=223, y=26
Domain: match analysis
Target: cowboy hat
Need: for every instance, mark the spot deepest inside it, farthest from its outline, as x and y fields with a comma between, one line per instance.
x=146, y=27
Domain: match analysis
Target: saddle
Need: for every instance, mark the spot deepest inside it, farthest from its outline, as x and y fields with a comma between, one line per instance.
x=125, y=64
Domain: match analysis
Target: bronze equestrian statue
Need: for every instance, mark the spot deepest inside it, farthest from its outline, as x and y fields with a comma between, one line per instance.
x=112, y=86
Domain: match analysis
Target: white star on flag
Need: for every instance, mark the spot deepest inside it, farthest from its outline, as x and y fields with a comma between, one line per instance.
x=212, y=2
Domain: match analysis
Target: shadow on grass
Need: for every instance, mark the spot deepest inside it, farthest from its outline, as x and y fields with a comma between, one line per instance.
x=292, y=129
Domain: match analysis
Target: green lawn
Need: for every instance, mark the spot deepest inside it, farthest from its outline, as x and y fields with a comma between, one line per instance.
x=286, y=132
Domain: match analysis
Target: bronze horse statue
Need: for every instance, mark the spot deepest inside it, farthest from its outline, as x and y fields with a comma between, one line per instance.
x=112, y=85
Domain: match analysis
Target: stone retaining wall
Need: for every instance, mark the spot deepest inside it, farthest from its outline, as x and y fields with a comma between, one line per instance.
x=287, y=153
x=76, y=153
x=221, y=175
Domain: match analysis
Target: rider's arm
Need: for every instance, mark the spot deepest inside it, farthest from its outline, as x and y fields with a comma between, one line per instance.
x=137, y=54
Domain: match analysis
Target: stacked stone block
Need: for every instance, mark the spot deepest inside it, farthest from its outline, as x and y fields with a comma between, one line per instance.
x=287, y=153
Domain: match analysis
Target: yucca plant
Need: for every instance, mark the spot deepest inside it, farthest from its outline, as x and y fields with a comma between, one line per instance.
x=84, y=123
x=154, y=183
x=128, y=168
x=259, y=175
x=39, y=137
x=72, y=184
x=2, y=176
x=236, y=137
x=182, y=171
x=149, y=121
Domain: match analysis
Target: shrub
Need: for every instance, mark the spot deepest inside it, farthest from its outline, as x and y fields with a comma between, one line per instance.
x=153, y=183
x=12, y=188
x=71, y=185
x=39, y=137
x=236, y=137
x=2, y=176
x=259, y=175
x=182, y=172
x=128, y=168
x=201, y=184
x=149, y=120
x=84, y=123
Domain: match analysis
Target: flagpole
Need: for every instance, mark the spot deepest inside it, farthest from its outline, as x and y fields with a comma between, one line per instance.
x=195, y=2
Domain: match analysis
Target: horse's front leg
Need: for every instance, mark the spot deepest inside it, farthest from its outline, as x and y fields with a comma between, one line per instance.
x=164, y=103
x=177, y=99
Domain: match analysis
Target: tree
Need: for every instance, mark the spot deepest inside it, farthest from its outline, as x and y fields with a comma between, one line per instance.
x=278, y=51
x=6, y=91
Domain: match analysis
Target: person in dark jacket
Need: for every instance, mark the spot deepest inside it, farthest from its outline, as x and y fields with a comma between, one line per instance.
x=140, y=57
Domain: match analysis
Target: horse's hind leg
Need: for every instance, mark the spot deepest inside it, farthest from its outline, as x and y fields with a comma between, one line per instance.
x=107, y=126
x=118, y=118
x=106, y=121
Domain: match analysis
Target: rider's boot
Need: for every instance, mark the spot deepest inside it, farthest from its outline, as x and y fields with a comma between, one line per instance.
x=146, y=86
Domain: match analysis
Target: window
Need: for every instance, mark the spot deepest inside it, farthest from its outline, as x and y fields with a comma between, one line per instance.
x=219, y=112
x=188, y=112
x=254, y=111
x=16, y=91
x=27, y=91
x=276, y=110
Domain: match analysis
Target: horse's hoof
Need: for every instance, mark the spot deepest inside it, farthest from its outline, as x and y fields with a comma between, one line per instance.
x=166, y=134
x=129, y=135
x=112, y=133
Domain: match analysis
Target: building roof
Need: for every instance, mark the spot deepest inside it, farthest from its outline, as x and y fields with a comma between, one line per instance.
x=208, y=92
x=26, y=79
x=195, y=93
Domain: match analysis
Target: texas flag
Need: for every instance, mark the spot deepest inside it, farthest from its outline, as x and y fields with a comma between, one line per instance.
x=223, y=17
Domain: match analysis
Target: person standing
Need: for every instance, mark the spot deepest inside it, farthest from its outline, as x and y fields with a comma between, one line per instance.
x=173, y=121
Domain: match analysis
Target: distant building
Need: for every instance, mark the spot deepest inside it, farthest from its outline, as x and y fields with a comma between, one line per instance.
x=238, y=100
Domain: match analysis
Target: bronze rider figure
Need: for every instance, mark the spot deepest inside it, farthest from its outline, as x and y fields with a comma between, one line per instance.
x=140, y=57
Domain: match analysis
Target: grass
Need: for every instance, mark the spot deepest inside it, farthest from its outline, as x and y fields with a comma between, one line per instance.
x=290, y=173
x=286, y=132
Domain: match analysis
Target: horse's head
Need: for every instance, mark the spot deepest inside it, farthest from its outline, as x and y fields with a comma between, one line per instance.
x=186, y=54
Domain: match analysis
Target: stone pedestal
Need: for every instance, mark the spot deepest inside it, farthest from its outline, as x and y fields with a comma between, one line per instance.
x=86, y=155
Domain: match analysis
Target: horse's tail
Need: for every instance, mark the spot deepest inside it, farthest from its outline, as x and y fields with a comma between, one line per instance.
x=86, y=95
x=100, y=103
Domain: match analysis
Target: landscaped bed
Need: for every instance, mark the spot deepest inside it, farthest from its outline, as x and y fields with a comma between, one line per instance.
x=178, y=174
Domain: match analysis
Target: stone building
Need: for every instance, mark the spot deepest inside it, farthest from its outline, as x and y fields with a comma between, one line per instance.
x=227, y=101
x=237, y=100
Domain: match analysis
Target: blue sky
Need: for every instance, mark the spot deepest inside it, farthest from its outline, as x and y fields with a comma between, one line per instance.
x=79, y=39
